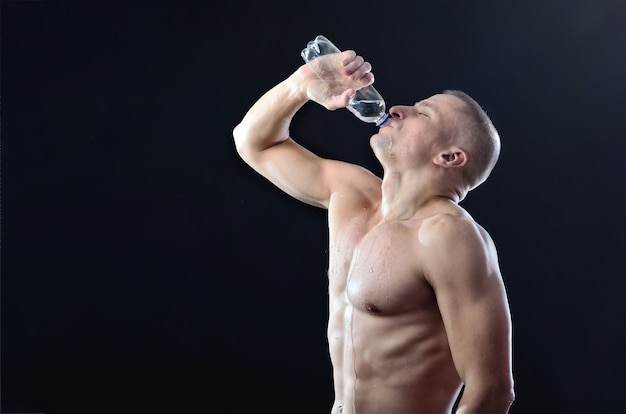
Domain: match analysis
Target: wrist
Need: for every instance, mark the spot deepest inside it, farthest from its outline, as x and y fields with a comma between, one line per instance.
x=297, y=83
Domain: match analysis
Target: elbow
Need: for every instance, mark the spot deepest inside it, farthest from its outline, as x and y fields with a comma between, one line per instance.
x=241, y=143
x=509, y=388
x=505, y=394
x=238, y=138
x=511, y=396
x=250, y=143
x=508, y=397
x=494, y=399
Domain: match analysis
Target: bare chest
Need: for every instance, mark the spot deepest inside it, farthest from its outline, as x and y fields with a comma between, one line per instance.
x=380, y=272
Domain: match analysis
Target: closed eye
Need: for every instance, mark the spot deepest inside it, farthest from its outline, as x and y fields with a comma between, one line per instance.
x=425, y=106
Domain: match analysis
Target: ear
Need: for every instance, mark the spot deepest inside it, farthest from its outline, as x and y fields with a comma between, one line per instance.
x=451, y=158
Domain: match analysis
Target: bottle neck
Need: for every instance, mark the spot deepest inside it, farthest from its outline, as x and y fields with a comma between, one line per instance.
x=382, y=120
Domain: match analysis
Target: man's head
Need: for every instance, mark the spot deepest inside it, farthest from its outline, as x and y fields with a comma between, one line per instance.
x=447, y=136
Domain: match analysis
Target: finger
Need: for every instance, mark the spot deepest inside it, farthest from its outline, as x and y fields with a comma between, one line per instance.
x=353, y=66
x=367, y=79
x=363, y=73
x=347, y=56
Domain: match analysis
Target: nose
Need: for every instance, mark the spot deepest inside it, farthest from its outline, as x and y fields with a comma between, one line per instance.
x=397, y=112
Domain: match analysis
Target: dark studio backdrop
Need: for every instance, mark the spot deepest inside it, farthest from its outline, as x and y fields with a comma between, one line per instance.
x=146, y=268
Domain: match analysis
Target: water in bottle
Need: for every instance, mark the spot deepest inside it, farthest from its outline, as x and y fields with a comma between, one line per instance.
x=366, y=104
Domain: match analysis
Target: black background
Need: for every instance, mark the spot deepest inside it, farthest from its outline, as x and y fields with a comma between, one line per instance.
x=146, y=268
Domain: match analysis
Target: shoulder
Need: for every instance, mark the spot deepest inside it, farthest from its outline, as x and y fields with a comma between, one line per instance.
x=454, y=246
x=444, y=229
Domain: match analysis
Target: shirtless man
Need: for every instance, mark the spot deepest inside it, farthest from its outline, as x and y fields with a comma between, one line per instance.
x=417, y=305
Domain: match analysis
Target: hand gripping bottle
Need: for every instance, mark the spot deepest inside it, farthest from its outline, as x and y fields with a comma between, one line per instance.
x=366, y=104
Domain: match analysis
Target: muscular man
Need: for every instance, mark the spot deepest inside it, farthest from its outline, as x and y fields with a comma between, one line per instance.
x=417, y=305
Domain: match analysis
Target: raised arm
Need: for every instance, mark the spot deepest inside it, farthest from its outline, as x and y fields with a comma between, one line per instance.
x=262, y=138
x=463, y=270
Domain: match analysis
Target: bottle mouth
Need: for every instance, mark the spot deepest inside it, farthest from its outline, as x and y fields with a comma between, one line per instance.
x=382, y=121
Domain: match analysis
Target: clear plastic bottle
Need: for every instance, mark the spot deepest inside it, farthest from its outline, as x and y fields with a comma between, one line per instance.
x=366, y=104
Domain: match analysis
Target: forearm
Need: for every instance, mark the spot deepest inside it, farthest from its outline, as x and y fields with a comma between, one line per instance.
x=267, y=122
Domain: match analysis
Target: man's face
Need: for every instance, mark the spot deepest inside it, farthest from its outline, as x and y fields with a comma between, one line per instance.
x=415, y=133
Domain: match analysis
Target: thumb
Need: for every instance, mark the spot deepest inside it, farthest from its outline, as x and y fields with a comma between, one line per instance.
x=340, y=101
x=345, y=97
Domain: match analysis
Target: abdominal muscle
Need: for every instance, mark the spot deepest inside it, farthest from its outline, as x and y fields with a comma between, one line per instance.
x=389, y=365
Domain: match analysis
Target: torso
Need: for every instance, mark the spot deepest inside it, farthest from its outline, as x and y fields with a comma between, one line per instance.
x=386, y=337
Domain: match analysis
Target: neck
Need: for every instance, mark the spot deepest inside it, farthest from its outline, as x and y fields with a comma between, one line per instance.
x=404, y=195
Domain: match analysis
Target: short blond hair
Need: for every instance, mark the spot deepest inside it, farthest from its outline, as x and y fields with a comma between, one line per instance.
x=484, y=138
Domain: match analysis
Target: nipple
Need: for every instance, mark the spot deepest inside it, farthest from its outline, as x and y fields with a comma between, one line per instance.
x=372, y=308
